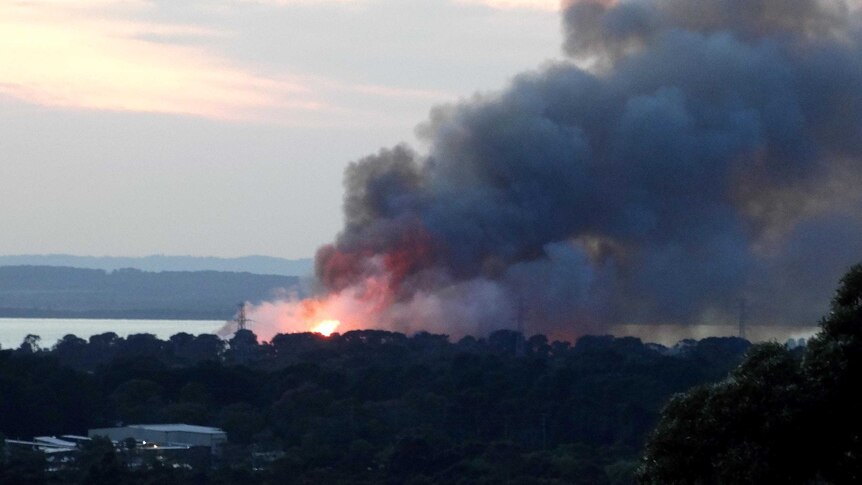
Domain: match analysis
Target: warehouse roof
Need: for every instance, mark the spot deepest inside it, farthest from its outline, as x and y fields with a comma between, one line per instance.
x=184, y=428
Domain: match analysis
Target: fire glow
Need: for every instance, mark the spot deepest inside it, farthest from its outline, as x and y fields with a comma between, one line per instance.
x=326, y=327
x=529, y=211
x=356, y=307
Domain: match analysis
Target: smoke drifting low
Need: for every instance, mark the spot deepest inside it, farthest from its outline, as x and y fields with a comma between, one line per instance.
x=689, y=155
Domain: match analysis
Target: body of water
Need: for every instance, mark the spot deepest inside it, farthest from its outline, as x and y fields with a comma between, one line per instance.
x=13, y=330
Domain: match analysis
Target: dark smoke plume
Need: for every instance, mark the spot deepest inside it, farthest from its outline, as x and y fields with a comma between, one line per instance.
x=691, y=154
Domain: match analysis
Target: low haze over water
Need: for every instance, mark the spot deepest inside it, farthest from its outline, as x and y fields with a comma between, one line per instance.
x=671, y=334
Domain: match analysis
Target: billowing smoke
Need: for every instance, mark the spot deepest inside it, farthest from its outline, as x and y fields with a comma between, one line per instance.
x=691, y=154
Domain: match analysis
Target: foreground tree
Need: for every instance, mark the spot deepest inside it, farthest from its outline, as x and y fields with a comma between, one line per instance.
x=777, y=418
x=833, y=370
x=740, y=430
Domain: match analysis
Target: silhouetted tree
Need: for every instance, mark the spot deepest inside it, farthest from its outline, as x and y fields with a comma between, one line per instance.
x=833, y=371
x=30, y=344
x=777, y=418
x=243, y=347
x=71, y=351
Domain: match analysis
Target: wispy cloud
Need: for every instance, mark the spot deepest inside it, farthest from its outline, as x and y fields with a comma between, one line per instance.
x=287, y=3
x=110, y=55
x=68, y=54
x=548, y=5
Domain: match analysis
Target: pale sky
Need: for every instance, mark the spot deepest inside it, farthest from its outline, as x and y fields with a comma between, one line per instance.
x=221, y=127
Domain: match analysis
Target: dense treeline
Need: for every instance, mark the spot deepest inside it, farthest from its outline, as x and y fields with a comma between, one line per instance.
x=47, y=291
x=370, y=406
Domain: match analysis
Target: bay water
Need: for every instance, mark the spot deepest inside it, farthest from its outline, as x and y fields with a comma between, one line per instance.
x=13, y=330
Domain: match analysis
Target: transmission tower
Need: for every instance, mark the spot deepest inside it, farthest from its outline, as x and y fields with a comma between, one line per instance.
x=241, y=319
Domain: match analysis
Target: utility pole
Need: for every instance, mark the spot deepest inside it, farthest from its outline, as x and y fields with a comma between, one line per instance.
x=742, y=318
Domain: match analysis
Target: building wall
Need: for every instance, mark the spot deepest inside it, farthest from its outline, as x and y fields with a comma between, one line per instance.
x=212, y=440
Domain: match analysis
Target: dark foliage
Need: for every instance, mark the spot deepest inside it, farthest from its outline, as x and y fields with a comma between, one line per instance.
x=363, y=407
x=782, y=416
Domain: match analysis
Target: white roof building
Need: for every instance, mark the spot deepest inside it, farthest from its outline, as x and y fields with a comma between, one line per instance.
x=173, y=435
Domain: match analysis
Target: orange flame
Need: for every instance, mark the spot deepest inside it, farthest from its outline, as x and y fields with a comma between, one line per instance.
x=326, y=327
x=356, y=307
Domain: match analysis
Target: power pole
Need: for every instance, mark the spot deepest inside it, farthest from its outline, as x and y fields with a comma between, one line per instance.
x=742, y=318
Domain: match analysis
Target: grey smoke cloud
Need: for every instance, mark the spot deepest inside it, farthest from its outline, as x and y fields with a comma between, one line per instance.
x=608, y=28
x=712, y=155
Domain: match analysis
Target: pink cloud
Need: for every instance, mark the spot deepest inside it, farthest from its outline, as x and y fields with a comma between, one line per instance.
x=67, y=54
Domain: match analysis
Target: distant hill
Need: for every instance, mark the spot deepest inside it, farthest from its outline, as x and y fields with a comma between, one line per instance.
x=251, y=264
x=50, y=291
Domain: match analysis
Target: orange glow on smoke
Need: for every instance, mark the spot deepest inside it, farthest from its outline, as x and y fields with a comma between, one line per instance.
x=356, y=307
x=363, y=290
x=326, y=327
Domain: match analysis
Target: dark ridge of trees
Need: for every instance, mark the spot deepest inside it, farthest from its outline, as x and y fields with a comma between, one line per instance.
x=48, y=291
x=159, y=262
x=368, y=406
x=782, y=416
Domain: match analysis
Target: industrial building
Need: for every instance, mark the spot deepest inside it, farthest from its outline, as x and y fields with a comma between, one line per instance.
x=166, y=435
